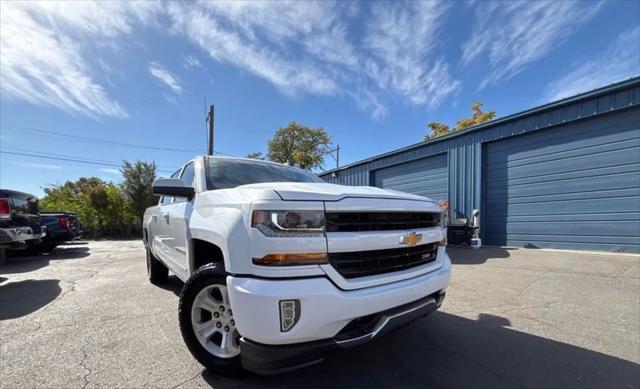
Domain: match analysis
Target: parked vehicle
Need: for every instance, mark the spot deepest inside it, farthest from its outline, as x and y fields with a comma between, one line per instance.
x=61, y=227
x=19, y=222
x=282, y=268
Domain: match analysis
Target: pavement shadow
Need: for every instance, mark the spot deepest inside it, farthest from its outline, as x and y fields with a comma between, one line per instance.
x=16, y=265
x=20, y=298
x=76, y=243
x=469, y=256
x=68, y=252
x=449, y=351
x=23, y=262
x=173, y=284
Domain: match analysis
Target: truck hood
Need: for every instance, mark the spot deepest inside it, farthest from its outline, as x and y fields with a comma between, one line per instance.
x=317, y=191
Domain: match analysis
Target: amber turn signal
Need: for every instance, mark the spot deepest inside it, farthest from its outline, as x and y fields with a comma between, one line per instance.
x=291, y=259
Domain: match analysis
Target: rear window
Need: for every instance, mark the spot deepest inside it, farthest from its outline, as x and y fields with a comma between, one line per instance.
x=25, y=207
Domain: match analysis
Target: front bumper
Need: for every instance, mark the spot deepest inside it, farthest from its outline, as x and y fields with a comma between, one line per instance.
x=325, y=309
x=274, y=359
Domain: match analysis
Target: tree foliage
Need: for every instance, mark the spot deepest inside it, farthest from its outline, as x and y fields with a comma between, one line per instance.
x=256, y=155
x=478, y=116
x=99, y=204
x=103, y=206
x=136, y=186
x=299, y=145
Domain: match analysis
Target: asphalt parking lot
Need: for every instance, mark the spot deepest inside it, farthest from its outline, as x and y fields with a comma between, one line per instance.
x=85, y=316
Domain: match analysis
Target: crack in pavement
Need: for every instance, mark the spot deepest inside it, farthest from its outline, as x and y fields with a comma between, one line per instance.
x=187, y=380
x=83, y=361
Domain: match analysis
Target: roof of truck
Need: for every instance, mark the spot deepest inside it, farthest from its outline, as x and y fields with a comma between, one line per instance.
x=15, y=193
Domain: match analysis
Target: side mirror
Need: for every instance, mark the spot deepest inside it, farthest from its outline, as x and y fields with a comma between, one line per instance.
x=172, y=187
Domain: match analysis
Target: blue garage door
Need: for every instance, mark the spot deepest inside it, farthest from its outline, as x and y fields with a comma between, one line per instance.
x=573, y=187
x=426, y=177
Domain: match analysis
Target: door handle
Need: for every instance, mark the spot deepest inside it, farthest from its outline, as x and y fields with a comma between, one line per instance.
x=166, y=217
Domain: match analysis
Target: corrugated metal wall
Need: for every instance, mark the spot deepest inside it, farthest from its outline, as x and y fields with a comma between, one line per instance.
x=464, y=149
x=427, y=177
x=573, y=187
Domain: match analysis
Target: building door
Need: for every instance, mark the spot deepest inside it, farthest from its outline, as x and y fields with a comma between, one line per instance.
x=427, y=177
x=569, y=187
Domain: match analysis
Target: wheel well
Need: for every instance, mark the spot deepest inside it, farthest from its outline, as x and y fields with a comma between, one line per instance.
x=204, y=253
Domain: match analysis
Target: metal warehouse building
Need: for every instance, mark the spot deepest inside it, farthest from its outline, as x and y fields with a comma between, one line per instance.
x=563, y=175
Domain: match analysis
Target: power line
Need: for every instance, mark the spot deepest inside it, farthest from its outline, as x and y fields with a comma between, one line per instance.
x=85, y=139
x=43, y=153
x=70, y=159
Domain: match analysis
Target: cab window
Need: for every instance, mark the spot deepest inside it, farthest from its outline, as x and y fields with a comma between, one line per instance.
x=189, y=175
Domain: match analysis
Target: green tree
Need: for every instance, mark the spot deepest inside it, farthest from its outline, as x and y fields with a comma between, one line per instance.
x=85, y=196
x=478, y=116
x=257, y=155
x=299, y=145
x=138, y=178
x=99, y=204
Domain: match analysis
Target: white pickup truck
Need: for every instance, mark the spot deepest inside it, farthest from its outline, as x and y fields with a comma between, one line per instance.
x=280, y=268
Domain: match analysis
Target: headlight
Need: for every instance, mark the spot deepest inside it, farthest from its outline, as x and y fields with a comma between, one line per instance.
x=283, y=224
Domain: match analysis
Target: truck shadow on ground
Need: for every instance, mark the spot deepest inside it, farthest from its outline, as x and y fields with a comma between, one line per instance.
x=22, y=262
x=20, y=298
x=469, y=256
x=449, y=351
x=76, y=243
x=69, y=252
x=173, y=284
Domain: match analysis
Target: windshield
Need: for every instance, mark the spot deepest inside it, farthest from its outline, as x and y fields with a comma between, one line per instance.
x=229, y=173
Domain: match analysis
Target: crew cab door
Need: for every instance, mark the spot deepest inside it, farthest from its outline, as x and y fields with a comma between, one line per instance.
x=177, y=216
x=161, y=231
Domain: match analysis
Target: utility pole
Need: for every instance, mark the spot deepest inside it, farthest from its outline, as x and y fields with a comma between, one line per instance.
x=210, y=118
x=335, y=157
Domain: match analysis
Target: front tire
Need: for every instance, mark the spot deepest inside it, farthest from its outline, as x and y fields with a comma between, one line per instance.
x=157, y=272
x=207, y=323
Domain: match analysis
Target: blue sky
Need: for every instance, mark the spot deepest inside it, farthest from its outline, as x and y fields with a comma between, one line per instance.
x=370, y=73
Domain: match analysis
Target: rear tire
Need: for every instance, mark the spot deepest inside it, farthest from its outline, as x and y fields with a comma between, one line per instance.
x=157, y=272
x=204, y=304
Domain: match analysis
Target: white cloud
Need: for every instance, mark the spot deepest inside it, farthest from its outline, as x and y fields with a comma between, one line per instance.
x=191, y=62
x=311, y=50
x=165, y=76
x=512, y=35
x=51, y=50
x=110, y=170
x=240, y=46
x=43, y=46
x=44, y=166
x=402, y=37
x=618, y=62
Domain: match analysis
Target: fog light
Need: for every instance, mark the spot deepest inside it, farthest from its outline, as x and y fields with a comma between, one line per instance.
x=289, y=314
x=443, y=242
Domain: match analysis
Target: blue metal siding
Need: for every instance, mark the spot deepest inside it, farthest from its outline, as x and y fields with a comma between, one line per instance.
x=576, y=186
x=426, y=177
x=465, y=149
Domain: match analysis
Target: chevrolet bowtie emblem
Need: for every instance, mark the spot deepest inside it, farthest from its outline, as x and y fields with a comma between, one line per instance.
x=411, y=239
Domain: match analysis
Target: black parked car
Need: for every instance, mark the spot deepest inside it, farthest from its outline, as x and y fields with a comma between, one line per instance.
x=20, y=227
x=61, y=227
